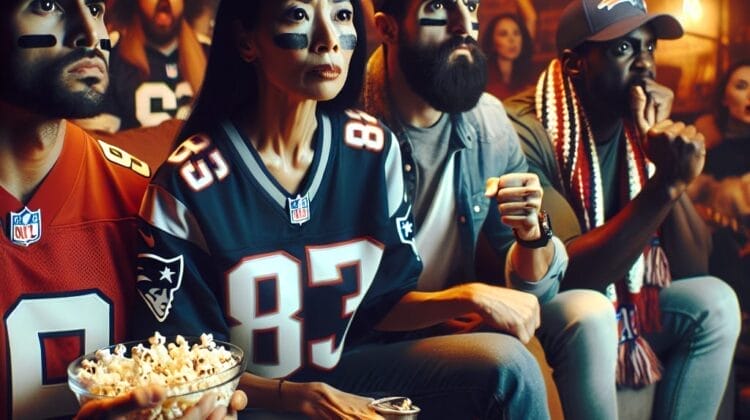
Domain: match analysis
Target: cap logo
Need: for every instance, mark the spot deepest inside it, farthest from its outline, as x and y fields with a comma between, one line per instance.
x=609, y=4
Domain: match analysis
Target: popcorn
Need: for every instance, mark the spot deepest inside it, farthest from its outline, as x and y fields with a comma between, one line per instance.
x=182, y=369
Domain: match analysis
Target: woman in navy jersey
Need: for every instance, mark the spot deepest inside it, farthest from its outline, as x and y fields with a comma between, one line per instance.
x=280, y=223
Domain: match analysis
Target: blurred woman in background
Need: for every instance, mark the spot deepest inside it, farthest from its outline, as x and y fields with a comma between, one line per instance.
x=509, y=47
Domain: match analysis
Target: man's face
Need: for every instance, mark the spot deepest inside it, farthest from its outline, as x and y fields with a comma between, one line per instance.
x=439, y=55
x=54, y=61
x=610, y=68
x=161, y=19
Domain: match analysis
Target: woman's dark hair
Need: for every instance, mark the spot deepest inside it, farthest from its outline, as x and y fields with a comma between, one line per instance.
x=522, y=66
x=231, y=84
x=722, y=112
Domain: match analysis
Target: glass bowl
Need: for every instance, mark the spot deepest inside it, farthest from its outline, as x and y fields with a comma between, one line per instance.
x=395, y=408
x=143, y=362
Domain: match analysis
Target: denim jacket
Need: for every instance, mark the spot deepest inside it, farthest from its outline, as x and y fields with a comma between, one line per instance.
x=486, y=146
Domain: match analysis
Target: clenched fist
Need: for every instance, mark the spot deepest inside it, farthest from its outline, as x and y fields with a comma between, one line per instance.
x=677, y=150
x=519, y=197
x=650, y=103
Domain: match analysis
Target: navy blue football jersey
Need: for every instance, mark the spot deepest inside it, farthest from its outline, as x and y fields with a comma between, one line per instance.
x=225, y=249
x=140, y=101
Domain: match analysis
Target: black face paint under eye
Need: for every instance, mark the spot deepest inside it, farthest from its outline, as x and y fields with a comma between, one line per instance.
x=433, y=22
x=291, y=41
x=105, y=44
x=37, y=41
x=475, y=26
x=348, y=42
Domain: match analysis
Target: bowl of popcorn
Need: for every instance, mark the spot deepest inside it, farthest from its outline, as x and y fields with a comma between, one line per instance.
x=187, y=368
x=395, y=408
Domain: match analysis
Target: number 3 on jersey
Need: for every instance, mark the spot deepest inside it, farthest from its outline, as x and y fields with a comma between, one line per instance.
x=324, y=266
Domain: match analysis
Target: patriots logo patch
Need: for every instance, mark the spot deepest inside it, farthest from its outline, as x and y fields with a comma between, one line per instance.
x=405, y=227
x=158, y=280
x=609, y=4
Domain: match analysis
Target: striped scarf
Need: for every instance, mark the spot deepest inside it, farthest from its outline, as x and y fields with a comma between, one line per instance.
x=635, y=297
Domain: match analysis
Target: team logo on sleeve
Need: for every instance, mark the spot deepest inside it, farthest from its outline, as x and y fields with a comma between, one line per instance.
x=299, y=209
x=405, y=227
x=158, y=280
x=25, y=227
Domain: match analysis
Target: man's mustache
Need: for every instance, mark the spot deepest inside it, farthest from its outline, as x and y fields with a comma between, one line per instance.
x=80, y=54
x=461, y=41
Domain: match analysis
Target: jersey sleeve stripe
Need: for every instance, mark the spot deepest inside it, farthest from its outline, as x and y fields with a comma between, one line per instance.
x=165, y=212
x=394, y=178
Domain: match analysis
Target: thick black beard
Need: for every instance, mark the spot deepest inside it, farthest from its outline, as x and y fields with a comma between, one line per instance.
x=448, y=87
x=42, y=90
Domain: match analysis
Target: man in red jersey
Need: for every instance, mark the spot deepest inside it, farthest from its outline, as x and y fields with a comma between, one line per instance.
x=67, y=210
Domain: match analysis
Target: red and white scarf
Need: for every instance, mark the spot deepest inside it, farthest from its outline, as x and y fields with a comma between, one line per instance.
x=635, y=297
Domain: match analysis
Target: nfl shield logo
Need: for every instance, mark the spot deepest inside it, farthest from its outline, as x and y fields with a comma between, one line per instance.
x=299, y=209
x=172, y=70
x=25, y=227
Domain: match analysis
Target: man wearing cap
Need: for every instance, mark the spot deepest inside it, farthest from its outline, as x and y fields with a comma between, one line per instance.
x=468, y=179
x=614, y=169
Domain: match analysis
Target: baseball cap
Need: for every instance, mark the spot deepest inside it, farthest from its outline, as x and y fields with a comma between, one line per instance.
x=604, y=20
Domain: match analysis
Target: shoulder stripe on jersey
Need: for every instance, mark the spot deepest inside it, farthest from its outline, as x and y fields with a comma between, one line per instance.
x=260, y=176
x=325, y=151
x=394, y=178
x=165, y=212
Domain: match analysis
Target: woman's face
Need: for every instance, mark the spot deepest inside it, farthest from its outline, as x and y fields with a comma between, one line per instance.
x=737, y=95
x=507, y=38
x=304, y=47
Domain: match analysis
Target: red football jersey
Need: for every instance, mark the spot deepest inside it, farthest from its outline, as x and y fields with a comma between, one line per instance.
x=66, y=265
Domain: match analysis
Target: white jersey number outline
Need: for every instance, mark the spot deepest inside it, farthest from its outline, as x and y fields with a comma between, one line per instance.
x=149, y=91
x=24, y=324
x=324, y=267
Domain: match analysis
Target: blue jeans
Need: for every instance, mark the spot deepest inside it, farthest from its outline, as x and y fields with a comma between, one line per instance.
x=579, y=336
x=700, y=326
x=462, y=376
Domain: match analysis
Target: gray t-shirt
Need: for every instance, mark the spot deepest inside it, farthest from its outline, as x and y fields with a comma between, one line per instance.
x=430, y=152
x=438, y=238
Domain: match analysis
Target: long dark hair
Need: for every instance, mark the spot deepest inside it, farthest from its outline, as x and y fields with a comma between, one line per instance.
x=722, y=112
x=231, y=83
x=522, y=67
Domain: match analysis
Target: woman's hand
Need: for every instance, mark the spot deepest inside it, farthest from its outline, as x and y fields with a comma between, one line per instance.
x=153, y=395
x=321, y=401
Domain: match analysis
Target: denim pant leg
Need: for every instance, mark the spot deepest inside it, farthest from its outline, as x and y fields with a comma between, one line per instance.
x=579, y=337
x=700, y=326
x=462, y=376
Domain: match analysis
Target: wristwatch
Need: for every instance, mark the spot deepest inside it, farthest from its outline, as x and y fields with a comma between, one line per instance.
x=546, y=233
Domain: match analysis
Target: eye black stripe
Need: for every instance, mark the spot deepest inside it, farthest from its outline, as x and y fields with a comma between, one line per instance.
x=37, y=41
x=291, y=41
x=433, y=22
x=475, y=26
x=348, y=42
